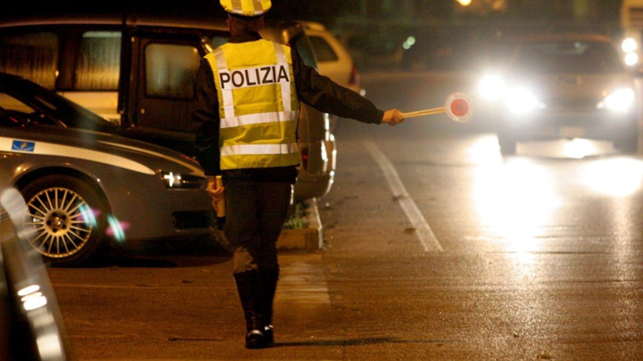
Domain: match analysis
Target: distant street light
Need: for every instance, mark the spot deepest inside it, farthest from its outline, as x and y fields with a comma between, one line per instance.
x=464, y=2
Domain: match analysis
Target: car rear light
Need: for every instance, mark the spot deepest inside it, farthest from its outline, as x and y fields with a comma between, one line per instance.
x=192, y=160
x=304, y=158
x=354, y=79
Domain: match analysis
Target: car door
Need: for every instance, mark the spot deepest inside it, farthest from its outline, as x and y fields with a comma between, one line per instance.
x=162, y=95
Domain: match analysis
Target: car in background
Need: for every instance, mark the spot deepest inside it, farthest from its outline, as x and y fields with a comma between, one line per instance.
x=31, y=325
x=333, y=59
x=316, y=142
x=86, y=189
x=441, y=60
x=564, y=86
x=139, y=72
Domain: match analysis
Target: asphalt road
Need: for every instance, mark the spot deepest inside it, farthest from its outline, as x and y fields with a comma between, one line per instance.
x=436, y=248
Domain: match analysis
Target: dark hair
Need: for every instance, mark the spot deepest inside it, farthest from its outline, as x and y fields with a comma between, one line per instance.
x=247, y=24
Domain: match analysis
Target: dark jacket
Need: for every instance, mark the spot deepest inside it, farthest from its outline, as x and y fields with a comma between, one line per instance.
x=312, y=88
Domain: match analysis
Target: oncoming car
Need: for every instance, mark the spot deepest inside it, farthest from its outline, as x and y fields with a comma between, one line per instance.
x=564, y=86
x=85, y=188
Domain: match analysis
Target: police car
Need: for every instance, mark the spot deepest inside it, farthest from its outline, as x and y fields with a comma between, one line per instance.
x=86, y=189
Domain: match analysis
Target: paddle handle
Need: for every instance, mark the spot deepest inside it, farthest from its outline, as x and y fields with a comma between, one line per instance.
x=421, y=113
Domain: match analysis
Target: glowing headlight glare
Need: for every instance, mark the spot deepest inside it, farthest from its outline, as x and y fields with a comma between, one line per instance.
x=521, y=101
x=28, y=290
x=620, y=100
x=31, y=296
x=491, y=87
x=34, y=303
x=629, y=45
x=171, y=179
x=631, y=59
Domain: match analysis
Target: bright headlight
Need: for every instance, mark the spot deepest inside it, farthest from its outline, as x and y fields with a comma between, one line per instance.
x=171, y=180
x=629, y=45
x=631, y=59
x=491, y=87
x=620, y=100
x=521, y=101
x=176, y=180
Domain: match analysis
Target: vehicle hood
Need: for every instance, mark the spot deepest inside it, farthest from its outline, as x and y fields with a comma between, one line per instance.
x=98, y=147
x=568, y=86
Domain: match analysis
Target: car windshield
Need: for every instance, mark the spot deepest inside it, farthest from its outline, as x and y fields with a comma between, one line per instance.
x=47, y=102
x=461, y=50
x=568, y=57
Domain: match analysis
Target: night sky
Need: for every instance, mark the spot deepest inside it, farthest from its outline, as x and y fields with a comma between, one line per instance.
x=325, y=11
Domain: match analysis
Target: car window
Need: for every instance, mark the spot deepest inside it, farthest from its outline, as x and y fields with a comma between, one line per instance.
x=98, y=65
x=323, y=51
x=15, y=113
x=32, y=100
x=568, y=57
x=218, y=40
x=170, y=70
x=301, y=43
x=33, y=56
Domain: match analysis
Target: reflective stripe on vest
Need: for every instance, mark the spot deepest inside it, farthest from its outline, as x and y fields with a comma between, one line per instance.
x=258, y=105
x=246, y=7
x=246, y=149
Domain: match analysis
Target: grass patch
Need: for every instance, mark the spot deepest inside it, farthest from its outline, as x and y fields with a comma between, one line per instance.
x=296, y=217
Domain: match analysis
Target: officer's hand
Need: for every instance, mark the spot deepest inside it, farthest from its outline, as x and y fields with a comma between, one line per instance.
x=392, y=117
x=216, y=194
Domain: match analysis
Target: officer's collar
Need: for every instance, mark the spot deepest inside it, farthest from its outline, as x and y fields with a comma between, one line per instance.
x=244, y=37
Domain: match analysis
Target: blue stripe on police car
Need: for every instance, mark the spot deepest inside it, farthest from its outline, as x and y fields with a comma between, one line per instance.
x=23, y=146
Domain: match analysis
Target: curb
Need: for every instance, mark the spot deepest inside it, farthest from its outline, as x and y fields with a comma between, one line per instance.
x=308, y=239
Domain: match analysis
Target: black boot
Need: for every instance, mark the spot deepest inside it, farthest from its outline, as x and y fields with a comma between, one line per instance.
x=247, y=286
x=267, y=287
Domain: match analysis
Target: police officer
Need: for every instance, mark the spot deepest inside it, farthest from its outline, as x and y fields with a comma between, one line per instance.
x=248, y=93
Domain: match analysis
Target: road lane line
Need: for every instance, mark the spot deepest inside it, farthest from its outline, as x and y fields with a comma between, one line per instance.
x=422, y=229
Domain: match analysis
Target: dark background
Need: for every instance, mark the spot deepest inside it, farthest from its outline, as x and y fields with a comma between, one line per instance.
x=374, y=30
x=328, y=11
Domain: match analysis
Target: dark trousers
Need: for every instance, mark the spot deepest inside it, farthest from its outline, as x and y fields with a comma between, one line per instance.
x=255, y=213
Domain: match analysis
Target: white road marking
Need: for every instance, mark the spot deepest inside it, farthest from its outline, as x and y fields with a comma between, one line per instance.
x=423, y=231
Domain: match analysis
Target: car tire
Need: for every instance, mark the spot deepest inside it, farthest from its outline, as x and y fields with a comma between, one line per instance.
x=627, y=144
x=507, y=145
x=70, y=219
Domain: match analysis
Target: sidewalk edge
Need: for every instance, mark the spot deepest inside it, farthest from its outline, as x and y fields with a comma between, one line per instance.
x=308, y=239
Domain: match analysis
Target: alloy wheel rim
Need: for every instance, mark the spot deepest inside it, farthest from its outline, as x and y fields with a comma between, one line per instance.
x=63, y=222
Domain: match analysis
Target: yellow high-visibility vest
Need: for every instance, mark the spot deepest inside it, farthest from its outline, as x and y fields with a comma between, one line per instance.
x=258, y=105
